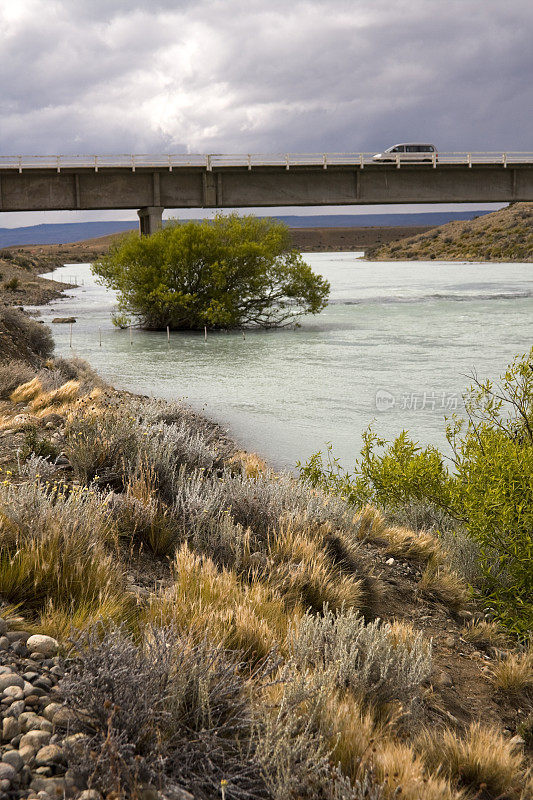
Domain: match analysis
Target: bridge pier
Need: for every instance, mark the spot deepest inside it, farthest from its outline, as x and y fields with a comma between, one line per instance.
x=150, y=219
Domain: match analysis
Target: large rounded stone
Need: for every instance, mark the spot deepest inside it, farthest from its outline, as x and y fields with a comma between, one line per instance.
x=10, y=680
x=27, y=753
x=3, y=626
x=15, y=692
x=45, y=645
x=10, y=728
x=14, y=758
x=35, y=739
x=7, y=772
x=50, y=710
x=50, y=754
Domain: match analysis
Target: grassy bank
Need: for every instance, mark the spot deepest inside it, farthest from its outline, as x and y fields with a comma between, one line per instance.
x=505, y=235
x=229, y=631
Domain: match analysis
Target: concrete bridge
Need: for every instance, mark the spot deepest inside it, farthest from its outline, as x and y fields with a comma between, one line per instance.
x=151, y=183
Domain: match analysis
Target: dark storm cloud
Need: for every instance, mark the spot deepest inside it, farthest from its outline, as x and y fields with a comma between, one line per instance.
x=257, y=76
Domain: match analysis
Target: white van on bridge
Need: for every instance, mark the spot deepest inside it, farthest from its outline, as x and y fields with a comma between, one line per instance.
x=408, y=152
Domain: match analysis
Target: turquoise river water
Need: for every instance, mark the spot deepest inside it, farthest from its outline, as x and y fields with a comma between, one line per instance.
x=394, y=348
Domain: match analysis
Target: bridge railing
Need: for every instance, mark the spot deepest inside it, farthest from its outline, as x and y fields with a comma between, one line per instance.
x=249, y=160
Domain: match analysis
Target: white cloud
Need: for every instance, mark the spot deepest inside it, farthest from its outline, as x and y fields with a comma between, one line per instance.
x=257, y=76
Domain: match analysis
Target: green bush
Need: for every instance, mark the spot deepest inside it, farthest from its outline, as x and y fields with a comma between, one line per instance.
x=225, y=273
x=11, y=285
x=488, y=491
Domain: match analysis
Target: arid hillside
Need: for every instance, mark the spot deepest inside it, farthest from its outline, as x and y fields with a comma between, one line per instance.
x=505, y=235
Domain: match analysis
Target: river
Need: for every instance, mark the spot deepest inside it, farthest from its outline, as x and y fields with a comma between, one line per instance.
x=394, y=348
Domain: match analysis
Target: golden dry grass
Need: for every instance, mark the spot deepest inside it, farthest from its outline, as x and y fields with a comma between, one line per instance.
x=440, y=583
x=67, y=393
x=485, y=634
x=250, y=463
x=370, y=523
x=205, y=601
x=483, y=760
x=300, y=569
x=513, y=675
x=27, y=391
x=404, y=774
x=421, y=547
x=353, y=732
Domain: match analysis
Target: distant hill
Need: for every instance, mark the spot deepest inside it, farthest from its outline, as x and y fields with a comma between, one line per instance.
x=505, y=235
x=63, y=233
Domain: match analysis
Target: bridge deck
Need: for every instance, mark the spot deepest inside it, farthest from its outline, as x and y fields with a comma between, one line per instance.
x=154, y=182
x=251, y=160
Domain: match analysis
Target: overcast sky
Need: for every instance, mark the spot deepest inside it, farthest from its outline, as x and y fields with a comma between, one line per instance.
x=122, y=76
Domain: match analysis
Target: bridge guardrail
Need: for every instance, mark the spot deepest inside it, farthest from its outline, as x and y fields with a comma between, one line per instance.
x=249, y=160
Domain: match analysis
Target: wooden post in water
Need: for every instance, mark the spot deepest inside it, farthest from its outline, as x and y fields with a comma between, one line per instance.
x=131, y=336
x=100, y=335
x=205, y=333
x=70, y=342
x=168, y=334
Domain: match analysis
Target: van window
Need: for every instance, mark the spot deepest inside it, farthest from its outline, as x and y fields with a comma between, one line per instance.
x=413, y=148
x=399, y=149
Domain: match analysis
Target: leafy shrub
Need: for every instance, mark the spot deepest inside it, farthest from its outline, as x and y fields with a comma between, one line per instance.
x=228, y=272
x=13, y=374
x=12, y=285
x=121, y=321
x=371, y=660
x=489, y=493
x=36, y=445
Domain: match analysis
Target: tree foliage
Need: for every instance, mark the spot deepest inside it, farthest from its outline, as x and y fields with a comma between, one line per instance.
x=225, y=273
x=489, y=489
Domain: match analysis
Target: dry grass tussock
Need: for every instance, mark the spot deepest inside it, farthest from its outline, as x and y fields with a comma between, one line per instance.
x=441, y=583
x=56, y=559
x=513, y=675
x=486, y=634
x=206, y=601
x=13, y=374
x=482, y=761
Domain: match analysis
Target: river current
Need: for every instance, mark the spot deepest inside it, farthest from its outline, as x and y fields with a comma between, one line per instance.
x=394, y=348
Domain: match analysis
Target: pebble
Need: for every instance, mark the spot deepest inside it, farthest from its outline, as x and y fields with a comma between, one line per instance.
x=17, y=636
x=16, y=708
x=389, y=562
x=46, y=645
x=50, y=710
x=89, y=794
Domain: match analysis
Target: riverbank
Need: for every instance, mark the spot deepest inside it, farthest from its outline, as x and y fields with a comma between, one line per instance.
x=152, y=519
x=505, y=235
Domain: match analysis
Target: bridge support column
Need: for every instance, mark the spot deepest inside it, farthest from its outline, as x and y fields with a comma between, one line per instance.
x=150, y=219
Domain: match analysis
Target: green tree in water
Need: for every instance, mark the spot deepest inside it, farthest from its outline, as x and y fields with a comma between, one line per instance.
x=230, y=272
